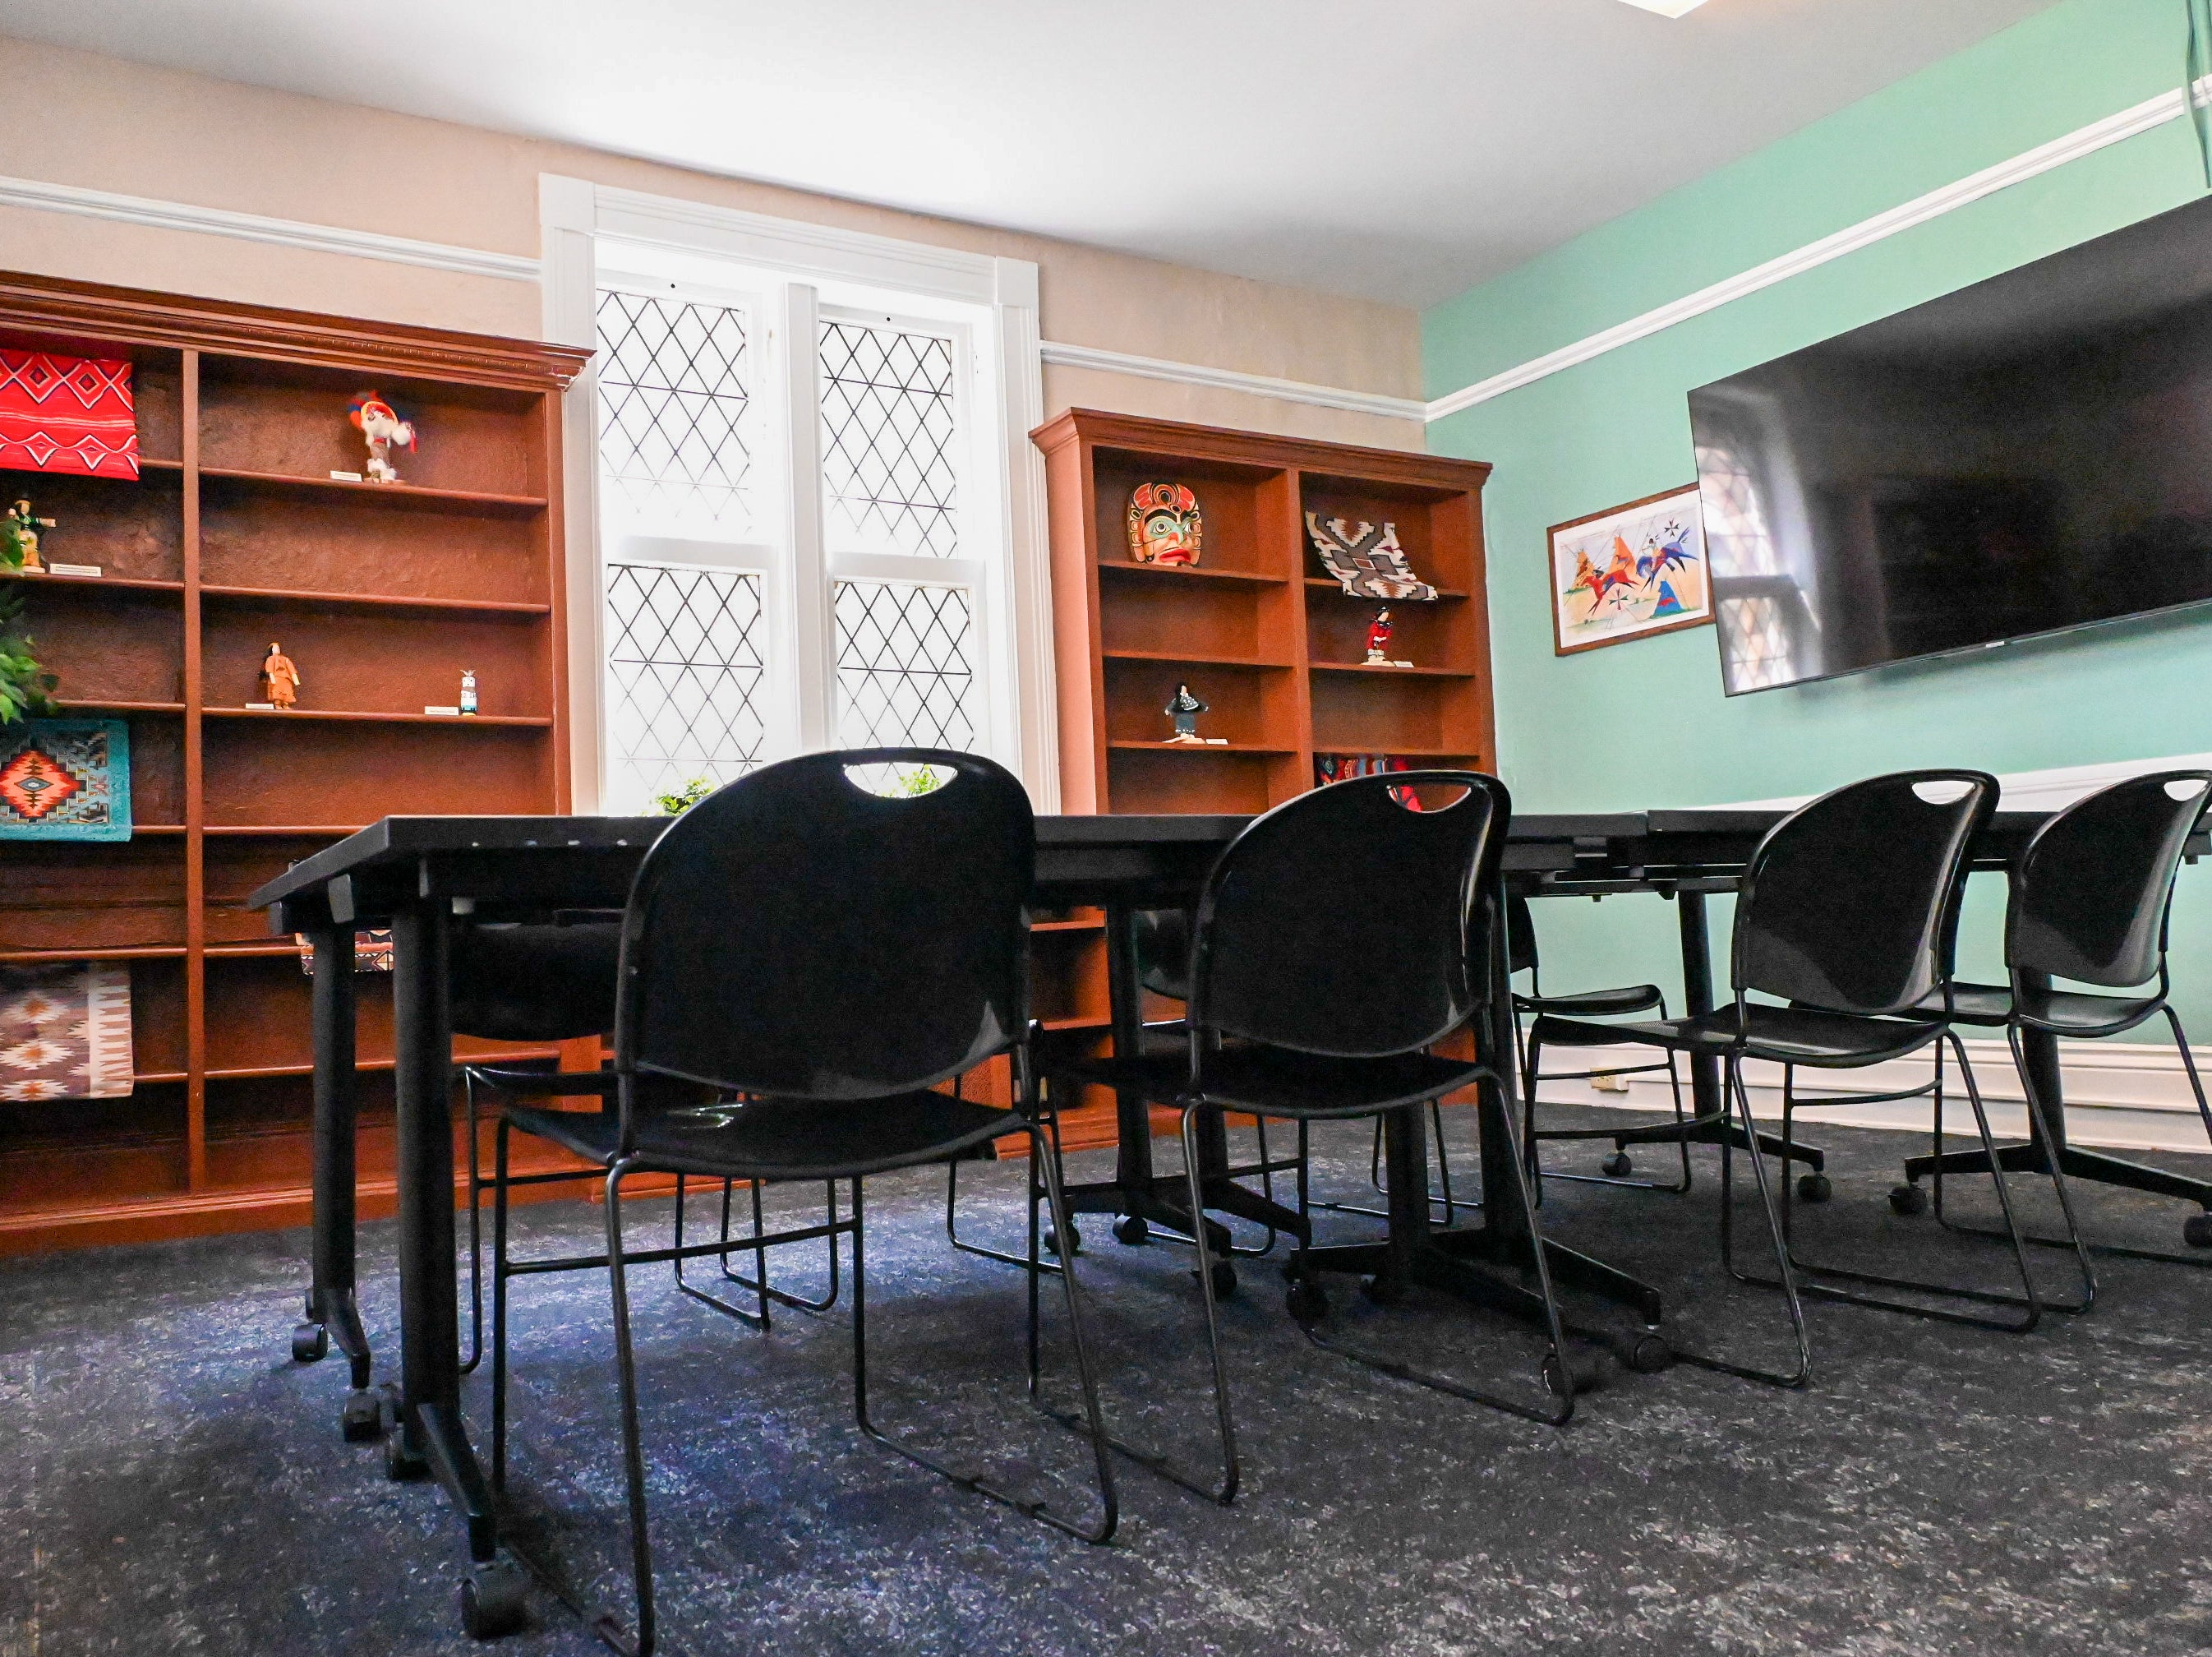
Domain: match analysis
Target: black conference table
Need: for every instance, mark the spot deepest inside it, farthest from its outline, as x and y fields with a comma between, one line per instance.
x=414, y=873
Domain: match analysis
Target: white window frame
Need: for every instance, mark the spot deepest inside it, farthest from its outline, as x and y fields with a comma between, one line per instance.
x=793, y=274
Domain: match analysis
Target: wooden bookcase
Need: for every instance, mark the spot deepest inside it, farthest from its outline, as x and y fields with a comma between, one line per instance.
x=1257, y=627
x=235, y=535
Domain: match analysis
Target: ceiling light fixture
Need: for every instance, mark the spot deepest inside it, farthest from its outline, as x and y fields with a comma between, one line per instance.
x=1668, y=8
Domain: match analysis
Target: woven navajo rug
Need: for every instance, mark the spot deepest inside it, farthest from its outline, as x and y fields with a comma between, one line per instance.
x=67, y=414
x=66, y=1032
x=65, y=779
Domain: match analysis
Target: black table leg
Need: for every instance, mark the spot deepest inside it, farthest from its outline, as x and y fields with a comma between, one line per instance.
x=431, y=1436
x=1453, y=1259
x=2039, y=1051
x=1714, y=1125
x=332, y=1310
x=1136, y=1193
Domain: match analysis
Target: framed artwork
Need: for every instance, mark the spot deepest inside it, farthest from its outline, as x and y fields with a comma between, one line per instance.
x=1629, y=572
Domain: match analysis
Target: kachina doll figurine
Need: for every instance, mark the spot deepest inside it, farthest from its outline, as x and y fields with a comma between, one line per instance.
x=468, y=690
x=380, y=424
x=1184, y=708
x=23, y=530
x=280, y=679
x=1378, y=639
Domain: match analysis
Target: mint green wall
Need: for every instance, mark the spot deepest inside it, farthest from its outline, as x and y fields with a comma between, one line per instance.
x=1645, y=723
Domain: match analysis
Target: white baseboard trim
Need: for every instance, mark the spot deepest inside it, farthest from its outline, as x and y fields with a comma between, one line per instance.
x=2121, y=1095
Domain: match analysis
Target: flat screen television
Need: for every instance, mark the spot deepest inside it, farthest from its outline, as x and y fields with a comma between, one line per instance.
x=2024, y=456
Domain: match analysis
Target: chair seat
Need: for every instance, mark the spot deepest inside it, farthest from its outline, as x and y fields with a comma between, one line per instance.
x=1783, y=1035
x=1277, y=1081
x=778, y=1138
x=2062, y=1012
x=1595, y=1004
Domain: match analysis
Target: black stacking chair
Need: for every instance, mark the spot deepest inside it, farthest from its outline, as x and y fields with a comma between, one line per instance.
x=816, y=960
x=556, y=983
x=1619, y=1169
x=2089, y=903
x=1330, y=952
x=533, y=984
x=1846, y=918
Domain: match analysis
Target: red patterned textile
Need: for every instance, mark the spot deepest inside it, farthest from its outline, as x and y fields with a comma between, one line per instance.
x=67, y=414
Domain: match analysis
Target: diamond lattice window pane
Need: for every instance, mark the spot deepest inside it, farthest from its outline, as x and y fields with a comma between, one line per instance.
x=905, y=672
x=685, y=672
x=889, y=422
x=674, y=415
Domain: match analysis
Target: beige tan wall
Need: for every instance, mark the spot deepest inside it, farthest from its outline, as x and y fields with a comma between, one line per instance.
x=97, y=123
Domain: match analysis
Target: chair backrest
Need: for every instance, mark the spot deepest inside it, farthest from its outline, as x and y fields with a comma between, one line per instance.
x=1520, y=935
x=1339, y=923
x=1849, y=903
x=796, y=935
x=2090, y=895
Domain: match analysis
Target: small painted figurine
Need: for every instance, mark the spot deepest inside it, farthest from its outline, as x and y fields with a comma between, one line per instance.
x=1378, y=640
x=468, y=690
x=379, y=423
x=26, y=528
x=1165, y=525
x=280, y=679
x=1184, y=708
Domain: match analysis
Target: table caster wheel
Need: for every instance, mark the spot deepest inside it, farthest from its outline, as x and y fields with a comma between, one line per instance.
x=1814, y=1187
x=401, y=1464
x=309, y=1343
x=1651, y=1354
x=1307, y=1302
x=1224, y=1279
x=1585, y=1374
x=1617, y=1166
x=493, y=1601
x=1907, y=1200
x=1131, y=1228
x=1052, y=1240
x=1382, y=1291
x=2196, y=1231
x=363, y=1418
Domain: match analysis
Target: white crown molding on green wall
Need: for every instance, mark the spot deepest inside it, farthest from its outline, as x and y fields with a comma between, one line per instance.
x=150, y=213
x=2082, y=141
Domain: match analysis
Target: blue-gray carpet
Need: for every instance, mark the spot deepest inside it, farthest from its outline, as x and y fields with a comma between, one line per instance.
x=170, y=1482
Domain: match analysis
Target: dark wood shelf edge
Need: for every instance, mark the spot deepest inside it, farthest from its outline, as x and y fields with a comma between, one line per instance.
x=333, y=715
x=372, y=600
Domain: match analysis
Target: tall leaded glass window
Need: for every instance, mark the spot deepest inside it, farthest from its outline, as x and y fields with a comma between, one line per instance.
x=791, y=550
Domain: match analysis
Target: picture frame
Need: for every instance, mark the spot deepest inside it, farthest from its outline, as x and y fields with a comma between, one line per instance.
x=1631, y=571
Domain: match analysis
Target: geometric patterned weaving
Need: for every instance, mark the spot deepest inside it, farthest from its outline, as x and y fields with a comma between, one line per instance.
x=67, y=414
x=890, y=425
x=66, y=1032
x=675, y=448
x=685, y=671
x=65, y=779
x=904, y=676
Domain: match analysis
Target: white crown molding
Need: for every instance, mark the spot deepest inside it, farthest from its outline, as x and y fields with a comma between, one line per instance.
x=254, y=227
x=1254, y=385
x=2028, y=164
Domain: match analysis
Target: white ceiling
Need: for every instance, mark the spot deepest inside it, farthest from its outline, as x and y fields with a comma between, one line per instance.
x=1401, y=149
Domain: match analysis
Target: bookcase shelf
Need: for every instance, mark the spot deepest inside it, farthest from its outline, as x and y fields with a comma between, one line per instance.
x=234, y=534
x=1258, y=631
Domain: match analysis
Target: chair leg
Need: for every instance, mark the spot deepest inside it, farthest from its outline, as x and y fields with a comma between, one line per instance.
x=1785, y=1277
x=754, y=1319
x=633, y=1445
x=475, y=1239
x=2029, y=1301
x=952, y=1226
x=499, y=1275
x=1227, y=1491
